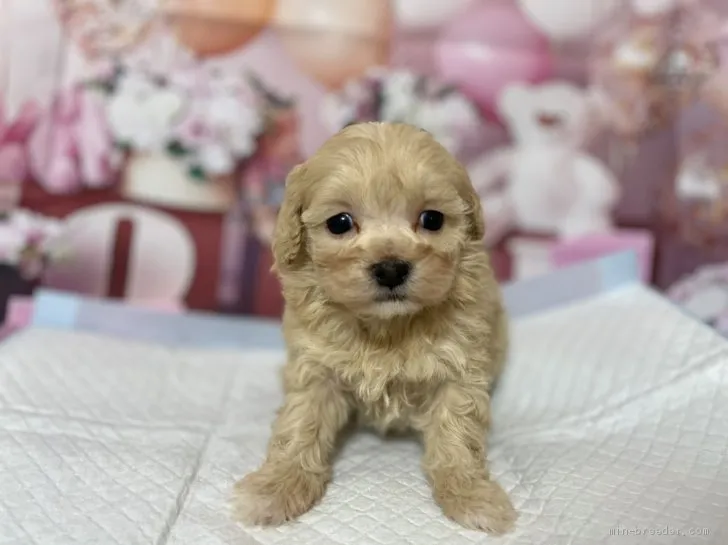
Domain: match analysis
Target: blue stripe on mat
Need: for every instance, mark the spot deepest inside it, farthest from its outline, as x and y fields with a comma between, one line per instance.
x=55, y=309
x=66, y=311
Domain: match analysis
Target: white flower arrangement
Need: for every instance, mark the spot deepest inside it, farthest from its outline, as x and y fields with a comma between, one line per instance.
x=205, y=119
x=405, y=97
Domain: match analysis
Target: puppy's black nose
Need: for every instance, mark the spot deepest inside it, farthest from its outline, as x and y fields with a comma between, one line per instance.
x=391, y=273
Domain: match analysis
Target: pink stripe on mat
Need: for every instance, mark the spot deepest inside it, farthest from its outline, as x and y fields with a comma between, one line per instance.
x=6, y=331
x=19, y=312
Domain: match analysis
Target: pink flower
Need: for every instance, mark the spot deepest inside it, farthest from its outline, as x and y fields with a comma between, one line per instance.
x=71, y=147
x=193, y=130
x=28, y=240
x=219, y=126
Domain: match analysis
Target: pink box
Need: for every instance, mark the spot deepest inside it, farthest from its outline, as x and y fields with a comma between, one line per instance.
x=642, y=242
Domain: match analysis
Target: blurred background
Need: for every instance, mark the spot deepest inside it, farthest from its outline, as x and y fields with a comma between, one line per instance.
x=144, y=144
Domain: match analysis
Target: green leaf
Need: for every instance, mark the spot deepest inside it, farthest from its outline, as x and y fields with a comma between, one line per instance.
x=176, y=149
x=123, y=146
x=106, y=87
x=197, y=173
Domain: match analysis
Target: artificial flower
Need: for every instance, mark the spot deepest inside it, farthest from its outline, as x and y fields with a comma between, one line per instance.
x=200, y=115
x=219, y=127
x=337, y=112
x=400, y=96
x=215, y=159
x=405, y=97
x=21, y=230
x=142, y=112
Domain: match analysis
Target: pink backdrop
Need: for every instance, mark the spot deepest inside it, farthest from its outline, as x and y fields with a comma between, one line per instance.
x=587, y=127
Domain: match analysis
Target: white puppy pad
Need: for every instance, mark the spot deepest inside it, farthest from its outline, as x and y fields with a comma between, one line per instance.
x=611, y=426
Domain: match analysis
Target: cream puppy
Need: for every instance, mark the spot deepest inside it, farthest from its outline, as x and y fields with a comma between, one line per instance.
x=393, y=316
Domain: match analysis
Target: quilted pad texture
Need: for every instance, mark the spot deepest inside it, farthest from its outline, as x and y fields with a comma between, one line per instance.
x=611, y=426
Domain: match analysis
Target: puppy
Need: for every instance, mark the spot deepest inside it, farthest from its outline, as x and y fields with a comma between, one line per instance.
x=392, y=315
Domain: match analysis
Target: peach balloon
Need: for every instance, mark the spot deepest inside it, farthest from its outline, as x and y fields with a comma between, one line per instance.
x=215, y=27
x=334, y=41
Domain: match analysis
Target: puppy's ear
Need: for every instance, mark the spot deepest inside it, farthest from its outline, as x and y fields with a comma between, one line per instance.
x=289, y=237
x=476, y=221
x=473, y=207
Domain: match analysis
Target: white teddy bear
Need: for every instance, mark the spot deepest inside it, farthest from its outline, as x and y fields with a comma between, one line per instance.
x=545, y=183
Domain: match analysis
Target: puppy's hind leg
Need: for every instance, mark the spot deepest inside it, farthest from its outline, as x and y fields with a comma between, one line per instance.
x=455, y=461
x=297, y=468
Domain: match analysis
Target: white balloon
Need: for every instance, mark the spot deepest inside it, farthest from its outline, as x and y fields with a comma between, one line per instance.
x=424, y=14
x=569, y=19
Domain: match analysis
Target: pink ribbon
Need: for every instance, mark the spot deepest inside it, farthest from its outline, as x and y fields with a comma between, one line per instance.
x=71, y=147
x=13, y=137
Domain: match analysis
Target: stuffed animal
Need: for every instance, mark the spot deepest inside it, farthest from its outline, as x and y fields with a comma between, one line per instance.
x=545, y=183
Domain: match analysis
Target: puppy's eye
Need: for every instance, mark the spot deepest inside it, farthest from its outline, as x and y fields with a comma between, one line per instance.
x=432, y=220
x=340, y=224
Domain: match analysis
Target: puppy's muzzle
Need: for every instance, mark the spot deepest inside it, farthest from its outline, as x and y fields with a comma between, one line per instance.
x=391, y=273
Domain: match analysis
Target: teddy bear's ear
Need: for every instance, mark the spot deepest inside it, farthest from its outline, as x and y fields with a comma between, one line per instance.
x=512, y=98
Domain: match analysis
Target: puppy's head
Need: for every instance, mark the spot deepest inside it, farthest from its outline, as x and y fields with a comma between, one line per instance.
x=380, y=219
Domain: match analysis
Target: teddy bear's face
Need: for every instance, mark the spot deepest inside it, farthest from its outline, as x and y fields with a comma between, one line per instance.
x=551, y=114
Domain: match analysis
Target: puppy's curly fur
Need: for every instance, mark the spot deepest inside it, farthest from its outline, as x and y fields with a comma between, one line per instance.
x=424, y=360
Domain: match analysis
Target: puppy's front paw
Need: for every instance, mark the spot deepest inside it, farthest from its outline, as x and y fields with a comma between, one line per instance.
x=276, y=494
x=481, y=504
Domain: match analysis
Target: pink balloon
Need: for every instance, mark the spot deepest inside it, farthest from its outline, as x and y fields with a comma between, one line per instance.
x=489, y=47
